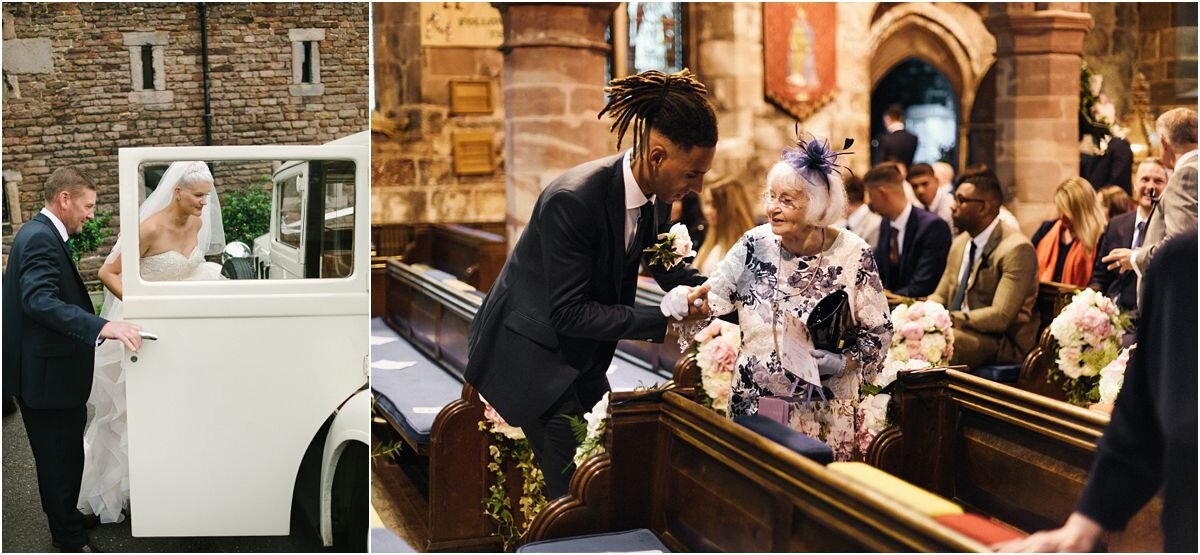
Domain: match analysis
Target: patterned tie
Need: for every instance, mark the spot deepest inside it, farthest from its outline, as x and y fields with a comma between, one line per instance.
x=1141, y=234
x=961, y=293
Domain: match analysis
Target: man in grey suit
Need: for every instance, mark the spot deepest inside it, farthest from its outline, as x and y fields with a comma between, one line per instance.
x=1176, y=212
x=544, y=338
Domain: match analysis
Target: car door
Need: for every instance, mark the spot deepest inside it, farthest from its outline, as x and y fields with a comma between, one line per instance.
x=222, y=407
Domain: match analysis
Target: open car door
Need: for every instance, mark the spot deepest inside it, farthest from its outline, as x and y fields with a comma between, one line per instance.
x=222, y=407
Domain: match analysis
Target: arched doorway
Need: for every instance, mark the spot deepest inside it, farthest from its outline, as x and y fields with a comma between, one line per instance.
x=931, y=106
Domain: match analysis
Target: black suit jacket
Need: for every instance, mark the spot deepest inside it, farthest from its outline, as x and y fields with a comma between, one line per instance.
x=1121, y=286
x=566, y=295
x=50, y=325
x=1115, y=167
x=898, y=146
x=1150, y=441
x=926, y=244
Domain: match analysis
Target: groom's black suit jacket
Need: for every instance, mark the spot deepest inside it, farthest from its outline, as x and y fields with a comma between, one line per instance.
x=566, y=295
x=50, y=325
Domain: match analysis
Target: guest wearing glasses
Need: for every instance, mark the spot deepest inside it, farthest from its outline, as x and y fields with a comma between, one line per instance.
x=775, y=275
x=990, y=282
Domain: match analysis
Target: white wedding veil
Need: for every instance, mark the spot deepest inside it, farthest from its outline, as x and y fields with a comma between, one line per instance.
x=210, y=238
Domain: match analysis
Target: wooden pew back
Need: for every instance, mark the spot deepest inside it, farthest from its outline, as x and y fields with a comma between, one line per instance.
x=702, y=483
x=1010, y=454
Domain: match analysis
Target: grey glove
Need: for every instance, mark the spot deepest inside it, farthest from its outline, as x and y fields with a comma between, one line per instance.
x=829, y=364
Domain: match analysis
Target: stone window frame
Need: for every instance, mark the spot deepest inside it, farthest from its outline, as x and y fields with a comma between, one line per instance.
x=12, y=200
x=158, y=93
x=298, y=38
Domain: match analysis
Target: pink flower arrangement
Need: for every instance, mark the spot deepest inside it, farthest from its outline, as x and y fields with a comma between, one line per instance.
x=717, y=353
x=923, y=332
x=1088, y=335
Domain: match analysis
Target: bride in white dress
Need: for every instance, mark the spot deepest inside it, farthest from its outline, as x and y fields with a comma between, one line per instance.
x=180, y=224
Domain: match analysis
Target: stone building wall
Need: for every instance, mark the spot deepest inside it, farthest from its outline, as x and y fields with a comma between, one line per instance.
x=1167, y=53
x=413, y=177
x=69, y=98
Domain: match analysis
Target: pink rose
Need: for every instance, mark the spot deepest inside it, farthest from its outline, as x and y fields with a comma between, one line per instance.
x=915, y=312
x=724, y=355
x=942, y=321
x=912, y=331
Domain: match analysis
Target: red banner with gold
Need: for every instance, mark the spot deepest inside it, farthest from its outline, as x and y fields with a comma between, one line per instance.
x=800, y=55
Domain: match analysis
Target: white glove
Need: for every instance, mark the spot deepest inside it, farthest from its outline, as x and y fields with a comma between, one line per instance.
x=675, y=302
x=829, y=364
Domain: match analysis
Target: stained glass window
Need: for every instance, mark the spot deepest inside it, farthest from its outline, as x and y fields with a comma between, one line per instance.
x=648, y=35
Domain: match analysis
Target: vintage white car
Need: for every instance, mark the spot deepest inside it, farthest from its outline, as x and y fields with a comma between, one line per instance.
x=251, y=407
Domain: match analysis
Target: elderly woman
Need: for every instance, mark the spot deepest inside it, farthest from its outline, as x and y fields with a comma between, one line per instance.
x=776, y=274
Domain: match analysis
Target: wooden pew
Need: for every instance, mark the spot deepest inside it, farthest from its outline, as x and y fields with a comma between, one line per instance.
x=1016, y=456
x=702, y=483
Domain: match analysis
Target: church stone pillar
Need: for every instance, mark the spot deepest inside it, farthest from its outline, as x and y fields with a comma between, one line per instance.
x=1038, y=53
x=554, y=79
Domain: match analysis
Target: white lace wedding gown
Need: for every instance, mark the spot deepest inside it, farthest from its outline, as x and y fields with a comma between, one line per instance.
x=105, y=487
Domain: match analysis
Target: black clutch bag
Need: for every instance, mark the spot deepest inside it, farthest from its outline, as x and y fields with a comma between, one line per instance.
x=832, y=324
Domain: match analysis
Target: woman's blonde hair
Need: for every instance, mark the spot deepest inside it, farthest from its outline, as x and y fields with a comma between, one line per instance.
x=826, y=201
x=734, y=215
x=1077, y=203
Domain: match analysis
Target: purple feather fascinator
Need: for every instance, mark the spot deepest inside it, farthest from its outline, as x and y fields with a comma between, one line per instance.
x=814, y=160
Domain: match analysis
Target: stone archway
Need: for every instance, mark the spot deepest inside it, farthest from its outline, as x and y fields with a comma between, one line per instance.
x=950, y=37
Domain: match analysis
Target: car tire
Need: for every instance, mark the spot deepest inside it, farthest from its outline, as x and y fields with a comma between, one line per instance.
x=351, y=499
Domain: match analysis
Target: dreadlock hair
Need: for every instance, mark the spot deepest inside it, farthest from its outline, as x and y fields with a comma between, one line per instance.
x=675, y=104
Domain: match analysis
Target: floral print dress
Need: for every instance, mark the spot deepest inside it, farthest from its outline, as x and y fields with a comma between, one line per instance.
x=769, y=288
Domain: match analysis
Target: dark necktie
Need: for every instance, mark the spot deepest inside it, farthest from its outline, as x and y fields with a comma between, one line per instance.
x=1141, y=234
x=894, y=248
x=961, y=293
x=645, y=222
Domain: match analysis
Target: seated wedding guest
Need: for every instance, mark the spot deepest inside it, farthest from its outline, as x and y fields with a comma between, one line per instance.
x=1006, y=217
x=729, y=215
x=1066, y=247
x=860, y=220
x=990, y=282
x=776, y=274
x=1114, y=201
x=1150, y=442
x=945, y=177
x=688, y=212
x=929, y=191
x=1128, y=230
x=913, y=242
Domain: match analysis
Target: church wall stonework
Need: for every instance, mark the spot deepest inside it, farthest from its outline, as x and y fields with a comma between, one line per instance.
x=79, y=110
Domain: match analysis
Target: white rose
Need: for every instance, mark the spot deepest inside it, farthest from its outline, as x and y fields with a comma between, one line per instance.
x=682, y=241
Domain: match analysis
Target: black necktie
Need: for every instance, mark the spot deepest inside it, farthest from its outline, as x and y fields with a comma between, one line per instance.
x=894, y=248
x=1141, y=234
x=645, y=222
x=961, y=293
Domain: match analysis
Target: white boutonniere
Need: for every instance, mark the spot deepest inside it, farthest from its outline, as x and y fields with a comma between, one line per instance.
x=672, y=247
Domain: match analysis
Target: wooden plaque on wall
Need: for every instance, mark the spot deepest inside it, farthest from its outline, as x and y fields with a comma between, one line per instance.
x=470, y=97
x=473, y=153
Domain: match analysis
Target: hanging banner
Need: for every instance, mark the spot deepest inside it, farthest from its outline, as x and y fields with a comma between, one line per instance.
x=800, y=55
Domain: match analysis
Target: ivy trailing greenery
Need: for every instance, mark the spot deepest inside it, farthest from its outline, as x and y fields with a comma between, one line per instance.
x=246, y=212
x=503, y=451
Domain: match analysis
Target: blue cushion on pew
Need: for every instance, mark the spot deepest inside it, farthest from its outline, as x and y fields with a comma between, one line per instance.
x=1006, y=373
x=386, y=541
x=628, y=375
x=814, y=449
x=612, y=542
x=411, y=396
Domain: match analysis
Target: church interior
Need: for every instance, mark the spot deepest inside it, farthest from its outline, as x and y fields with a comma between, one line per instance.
x=477, y=107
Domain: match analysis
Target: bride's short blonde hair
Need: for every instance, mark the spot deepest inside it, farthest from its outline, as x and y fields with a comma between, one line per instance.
x=826, y=205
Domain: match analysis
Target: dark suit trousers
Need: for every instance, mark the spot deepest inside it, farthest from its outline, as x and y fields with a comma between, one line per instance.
x=56, y=436
x=551, y=438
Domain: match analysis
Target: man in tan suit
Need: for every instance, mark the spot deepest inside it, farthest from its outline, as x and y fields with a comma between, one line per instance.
x=1176, y=212
x=990, y=282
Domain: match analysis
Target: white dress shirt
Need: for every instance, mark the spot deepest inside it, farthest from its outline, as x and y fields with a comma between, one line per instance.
x=941, y=206
x=979, y=240
x=634, y=199
x=898, y=227
x=865, y=223
x=62, y=229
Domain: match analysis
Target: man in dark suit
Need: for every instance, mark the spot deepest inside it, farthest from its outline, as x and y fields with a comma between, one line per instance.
x=913, y=242
x=1128, y=231
x=542, y=341
x=50, y=337
x=1150, y=442
x=896, y=145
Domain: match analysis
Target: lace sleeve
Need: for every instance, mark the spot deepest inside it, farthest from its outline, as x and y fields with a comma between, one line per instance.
x=872, y=316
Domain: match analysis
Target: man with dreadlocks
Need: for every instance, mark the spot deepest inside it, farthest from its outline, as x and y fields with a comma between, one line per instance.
x=545, y=335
